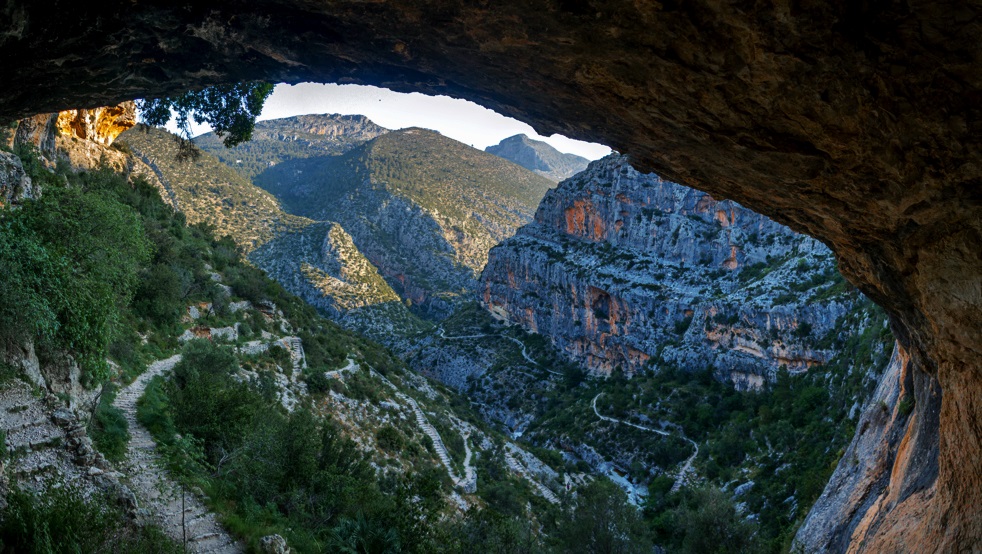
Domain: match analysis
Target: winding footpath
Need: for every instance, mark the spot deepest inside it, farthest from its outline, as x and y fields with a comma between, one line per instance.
x=685, y=472
x=467, y=482
x=158, y=495
x=514, y=340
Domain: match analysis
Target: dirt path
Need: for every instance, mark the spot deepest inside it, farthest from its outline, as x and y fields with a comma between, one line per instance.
x=156, y=492
x=684, y=472
x=514, y=340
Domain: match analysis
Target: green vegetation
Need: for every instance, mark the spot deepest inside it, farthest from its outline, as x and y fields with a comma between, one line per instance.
x=270, y=471
x=230, y=110
x=108, y=428
x=786, y=438
x=471, y=198
x=62, y=519
x=208, y=191
x=71, y=261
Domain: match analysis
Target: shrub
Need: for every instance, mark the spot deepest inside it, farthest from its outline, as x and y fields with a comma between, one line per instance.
x=109, y=429
x=62, y=519
x=390, y=439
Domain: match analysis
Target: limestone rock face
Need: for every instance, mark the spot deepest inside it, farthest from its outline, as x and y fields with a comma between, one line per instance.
x=620, y=266
x=80, y=137
x=15, y=185
x=854, y=122
x=99, y=125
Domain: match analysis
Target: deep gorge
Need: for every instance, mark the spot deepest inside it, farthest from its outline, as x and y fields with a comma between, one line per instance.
x=857, y=125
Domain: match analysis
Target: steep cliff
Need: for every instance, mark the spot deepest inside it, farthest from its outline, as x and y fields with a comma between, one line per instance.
x=539, y=157
x=853, y=122
x=620, y=267
x=425, y=209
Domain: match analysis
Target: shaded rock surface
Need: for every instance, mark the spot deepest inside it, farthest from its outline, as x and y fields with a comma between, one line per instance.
x=539, y=157
x=619, y=268
x=15, y=185
x=856, y=123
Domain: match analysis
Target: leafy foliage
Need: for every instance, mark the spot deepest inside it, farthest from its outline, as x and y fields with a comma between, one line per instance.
x=62, y=519
x=72, y=259
x=109, y=430
x=230, y=110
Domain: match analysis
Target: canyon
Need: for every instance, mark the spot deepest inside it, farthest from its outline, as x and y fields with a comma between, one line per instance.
x=853, y=123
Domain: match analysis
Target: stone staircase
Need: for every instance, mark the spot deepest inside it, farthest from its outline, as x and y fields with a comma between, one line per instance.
x=158, y=496
x=467, y=483
x=518, y=468
x=45, y=443
x=295, y=347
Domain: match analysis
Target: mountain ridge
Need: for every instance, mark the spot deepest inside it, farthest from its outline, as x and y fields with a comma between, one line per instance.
x=539, y=157
x=423, y=207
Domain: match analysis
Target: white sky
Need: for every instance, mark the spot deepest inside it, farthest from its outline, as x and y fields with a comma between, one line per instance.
x=461, y=120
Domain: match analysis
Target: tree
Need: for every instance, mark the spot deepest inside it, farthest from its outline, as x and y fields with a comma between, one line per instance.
x=230, y=110
x=713, y=525
x=602, y=522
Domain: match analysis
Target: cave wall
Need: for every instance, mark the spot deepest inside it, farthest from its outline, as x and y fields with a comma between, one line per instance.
x=858, y=122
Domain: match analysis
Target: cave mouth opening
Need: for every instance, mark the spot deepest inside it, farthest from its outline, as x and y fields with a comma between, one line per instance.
x=855, y=125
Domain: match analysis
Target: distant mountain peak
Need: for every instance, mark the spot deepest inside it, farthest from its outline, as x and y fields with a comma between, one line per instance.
x=539, y=157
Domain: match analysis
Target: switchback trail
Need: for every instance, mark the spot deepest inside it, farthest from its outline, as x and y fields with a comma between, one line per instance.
x=514, y=340
x=686, y=469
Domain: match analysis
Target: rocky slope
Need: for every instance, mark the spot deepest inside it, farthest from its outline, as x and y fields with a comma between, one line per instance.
x=539, y=157
x=315, y=260
x=855, y=123
x=423, y=208
x=303, y=136
x=621, y=267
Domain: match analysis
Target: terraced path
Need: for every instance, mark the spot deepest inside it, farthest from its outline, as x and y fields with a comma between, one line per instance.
x=156, y=492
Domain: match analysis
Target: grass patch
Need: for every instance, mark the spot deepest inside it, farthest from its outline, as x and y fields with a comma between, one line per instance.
x=108, y=428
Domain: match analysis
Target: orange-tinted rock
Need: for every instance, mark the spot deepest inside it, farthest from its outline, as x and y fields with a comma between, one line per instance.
x=855, y=122
x=100, y=125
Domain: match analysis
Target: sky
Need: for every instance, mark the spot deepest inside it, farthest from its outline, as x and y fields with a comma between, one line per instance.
x=461, y=120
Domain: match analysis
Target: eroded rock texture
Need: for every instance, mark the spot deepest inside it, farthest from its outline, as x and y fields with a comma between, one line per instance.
x=620, y=268
x=856, y=122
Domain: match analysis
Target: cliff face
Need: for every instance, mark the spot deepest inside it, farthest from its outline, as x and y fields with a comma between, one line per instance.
x=539, y=157
x=620, y=267
x=856, y=123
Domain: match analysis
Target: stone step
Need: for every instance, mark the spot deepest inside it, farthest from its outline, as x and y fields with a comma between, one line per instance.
x=32, y=442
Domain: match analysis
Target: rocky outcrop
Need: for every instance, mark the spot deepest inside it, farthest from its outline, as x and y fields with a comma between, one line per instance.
x=539, y=157
x=15, y=185
x=80, y=139
x=52, y=134
x=853, y=122
x=98, y=125
x=621, y=268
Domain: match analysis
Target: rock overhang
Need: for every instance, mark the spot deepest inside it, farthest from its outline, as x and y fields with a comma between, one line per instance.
x=857, y=123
